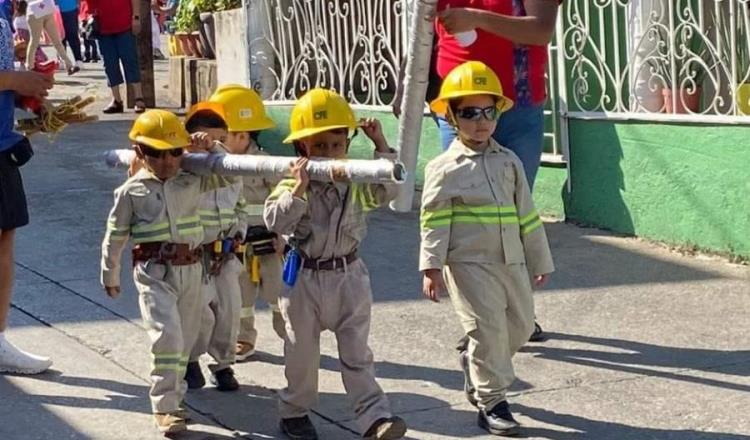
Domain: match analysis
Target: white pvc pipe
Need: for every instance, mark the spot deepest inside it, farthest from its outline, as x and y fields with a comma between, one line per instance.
x=415, y=90
x=277, y=167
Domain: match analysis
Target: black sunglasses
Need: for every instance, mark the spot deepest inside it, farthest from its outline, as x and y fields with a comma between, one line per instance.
x=159, y=154
x=476, y=113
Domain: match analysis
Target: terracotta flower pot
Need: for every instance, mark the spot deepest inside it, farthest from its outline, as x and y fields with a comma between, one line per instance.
x=183, y=40
x=687, y=101
x=195, y=44
x=743, y=99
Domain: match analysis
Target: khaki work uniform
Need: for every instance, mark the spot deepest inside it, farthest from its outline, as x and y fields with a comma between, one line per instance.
x=223, y=215
x=329, y=223
x=478, y=222
x=256, y=190
x=150, y=210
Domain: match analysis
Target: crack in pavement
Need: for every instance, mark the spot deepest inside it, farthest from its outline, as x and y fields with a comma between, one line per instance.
x=80, y=295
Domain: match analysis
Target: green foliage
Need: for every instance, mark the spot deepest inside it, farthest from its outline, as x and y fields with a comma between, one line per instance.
x=187, y=19
x=225, y=5
x=188, y=12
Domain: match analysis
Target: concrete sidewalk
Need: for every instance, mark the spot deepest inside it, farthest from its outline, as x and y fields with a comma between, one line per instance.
x=644, y=343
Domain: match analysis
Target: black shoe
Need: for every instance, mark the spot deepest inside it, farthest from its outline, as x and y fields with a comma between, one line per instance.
x=114, y=107
x=499, y=421
x=224, y=380
x=463, y=343
x=298, y=428
x=538, y=334
x=463, y=359
x=95, y=59
x=86, y=59
x=194, y=376
x=391, y=428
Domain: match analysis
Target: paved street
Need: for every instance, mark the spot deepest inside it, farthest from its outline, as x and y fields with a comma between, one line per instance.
x=644, y=343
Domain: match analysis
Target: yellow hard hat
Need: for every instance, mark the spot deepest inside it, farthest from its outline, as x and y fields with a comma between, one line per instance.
x=159, y=129
x=317, y=111
x=243, y=108
x=470, y=78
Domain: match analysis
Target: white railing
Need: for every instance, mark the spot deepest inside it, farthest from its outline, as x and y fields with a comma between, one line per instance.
x=654, y=59
x=353, y=46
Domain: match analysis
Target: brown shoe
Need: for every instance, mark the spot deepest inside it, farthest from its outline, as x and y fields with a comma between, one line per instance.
x=391, y=428
x=169, y=423
x=279, y=326
x=243, y=350
x=183, y=413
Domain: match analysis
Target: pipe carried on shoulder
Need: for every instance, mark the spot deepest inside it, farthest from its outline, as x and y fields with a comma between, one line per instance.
x=277, y=167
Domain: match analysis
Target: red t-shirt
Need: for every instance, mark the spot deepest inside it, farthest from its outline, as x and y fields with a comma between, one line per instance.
x=115, y=16
x=521, y=69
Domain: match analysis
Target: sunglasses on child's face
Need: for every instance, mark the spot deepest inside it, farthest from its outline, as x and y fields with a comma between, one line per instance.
x=160, y=154
x=476, y=113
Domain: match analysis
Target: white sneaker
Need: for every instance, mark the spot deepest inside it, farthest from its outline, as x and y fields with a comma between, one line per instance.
x=13, y=360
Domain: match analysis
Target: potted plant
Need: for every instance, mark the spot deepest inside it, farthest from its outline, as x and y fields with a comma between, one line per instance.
x=186, y=22
x=683, y=85
x=743, y=88
x=742, y=60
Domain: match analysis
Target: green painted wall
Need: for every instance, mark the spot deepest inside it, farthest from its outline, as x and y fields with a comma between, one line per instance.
x=682, y=184
x=549, y=180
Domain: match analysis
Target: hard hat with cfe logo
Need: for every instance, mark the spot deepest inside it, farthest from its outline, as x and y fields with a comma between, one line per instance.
x=317, y=111
x=160, y=130
x=470, y=78
x=243, y=109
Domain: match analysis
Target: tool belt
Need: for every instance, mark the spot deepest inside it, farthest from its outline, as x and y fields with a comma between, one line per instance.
x=162, y=252
x=331, y=263
x=220, y=249
x=216, y=253
x=260, y=240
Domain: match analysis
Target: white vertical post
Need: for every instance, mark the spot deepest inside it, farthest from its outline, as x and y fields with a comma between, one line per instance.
x=415, y=90
x=262, y=56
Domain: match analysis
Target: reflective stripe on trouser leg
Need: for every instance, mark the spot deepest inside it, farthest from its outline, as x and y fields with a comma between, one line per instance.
x=269, y=290
x=169, y=299
x=497, y=324
x=226, y=310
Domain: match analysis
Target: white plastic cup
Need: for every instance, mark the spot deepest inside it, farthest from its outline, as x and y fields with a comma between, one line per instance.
x=467, y=38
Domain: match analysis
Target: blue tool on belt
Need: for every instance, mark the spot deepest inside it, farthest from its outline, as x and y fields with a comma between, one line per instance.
x=292, y=264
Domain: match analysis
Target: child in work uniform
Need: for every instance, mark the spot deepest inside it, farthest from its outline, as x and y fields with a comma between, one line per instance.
x=224, y=219
x=158, y=208
x=482, y=237
x=246, y=118
x=325, y=222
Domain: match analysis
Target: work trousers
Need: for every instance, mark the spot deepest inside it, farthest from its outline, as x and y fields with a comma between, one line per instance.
x=339, y=301
x=495, y=305
x=170, y=301
x=220, y=316
x=268, y=288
